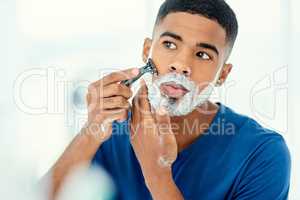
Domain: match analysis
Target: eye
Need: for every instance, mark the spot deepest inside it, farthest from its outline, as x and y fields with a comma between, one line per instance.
x=169, y=45
x=203, y=55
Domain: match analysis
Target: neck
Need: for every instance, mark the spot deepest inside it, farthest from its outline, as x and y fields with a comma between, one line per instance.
x=188, y=128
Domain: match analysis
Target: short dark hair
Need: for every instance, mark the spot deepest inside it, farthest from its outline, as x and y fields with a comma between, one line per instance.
x=217, y=10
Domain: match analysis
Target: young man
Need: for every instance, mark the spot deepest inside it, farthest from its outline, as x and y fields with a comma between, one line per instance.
x=185, y=147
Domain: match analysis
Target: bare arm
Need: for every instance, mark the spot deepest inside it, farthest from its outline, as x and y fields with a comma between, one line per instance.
x=162, y=186
x=107, y=101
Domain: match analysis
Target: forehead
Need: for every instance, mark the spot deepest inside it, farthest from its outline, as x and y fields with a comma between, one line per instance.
x=193, y=28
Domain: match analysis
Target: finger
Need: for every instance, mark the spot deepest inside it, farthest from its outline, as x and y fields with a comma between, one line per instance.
x=114, y=103
x=135, y=119
x=166, y=137
x=163, y=121
x=144, y=96
x=117, y=77
x=115, y=114
x=144, y=104
x=98, y=115
x=135, y=106
x=93, y=97
x=116, y=90
x=139, y=121
x=142, y=82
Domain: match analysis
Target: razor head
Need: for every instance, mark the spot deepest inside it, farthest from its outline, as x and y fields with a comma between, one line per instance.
x=148, y=68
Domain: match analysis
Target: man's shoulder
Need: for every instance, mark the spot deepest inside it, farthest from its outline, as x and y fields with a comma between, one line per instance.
x=263, y=153
x=248, y=127
x=255, y=139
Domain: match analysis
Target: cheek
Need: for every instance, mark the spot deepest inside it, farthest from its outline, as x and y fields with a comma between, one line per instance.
x=161, y=61
x=203, y=74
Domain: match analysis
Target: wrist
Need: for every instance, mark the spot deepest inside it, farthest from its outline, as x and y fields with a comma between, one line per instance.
x=91, y=136
x=155, y=177
x=163, y=186
x=88, y=140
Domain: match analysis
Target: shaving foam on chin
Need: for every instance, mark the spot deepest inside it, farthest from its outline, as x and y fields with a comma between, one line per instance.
x=187, y=103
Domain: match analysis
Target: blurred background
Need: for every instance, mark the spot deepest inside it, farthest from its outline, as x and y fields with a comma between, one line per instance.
x=52, y=49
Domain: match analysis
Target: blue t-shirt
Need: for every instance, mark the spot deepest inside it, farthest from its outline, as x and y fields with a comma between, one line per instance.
x=235, y=158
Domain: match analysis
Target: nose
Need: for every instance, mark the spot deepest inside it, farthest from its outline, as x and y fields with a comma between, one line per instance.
x=181, y=69
x=182, y=63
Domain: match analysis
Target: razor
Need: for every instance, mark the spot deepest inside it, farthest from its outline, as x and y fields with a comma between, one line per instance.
x=149, y=67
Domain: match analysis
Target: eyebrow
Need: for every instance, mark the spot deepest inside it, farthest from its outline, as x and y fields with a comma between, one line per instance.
x=208, y=46
x=173, y=35
x=201, y=44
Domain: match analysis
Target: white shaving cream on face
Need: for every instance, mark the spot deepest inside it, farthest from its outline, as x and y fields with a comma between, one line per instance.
x=185, y=104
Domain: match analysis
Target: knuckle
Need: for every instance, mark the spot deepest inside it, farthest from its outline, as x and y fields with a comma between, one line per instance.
x=123, y=90
x=116, y=88
x=127, y=92
x=114, y=75
x=107, y=76
x=92, y=87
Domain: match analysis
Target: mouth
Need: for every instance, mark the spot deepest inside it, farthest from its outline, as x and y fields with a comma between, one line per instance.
x=173, y=90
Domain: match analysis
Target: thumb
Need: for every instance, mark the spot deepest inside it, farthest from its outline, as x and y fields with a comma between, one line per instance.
x=163, y=121
x=167, y=138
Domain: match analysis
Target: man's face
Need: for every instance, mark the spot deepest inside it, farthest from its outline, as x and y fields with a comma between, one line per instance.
x=189, y=45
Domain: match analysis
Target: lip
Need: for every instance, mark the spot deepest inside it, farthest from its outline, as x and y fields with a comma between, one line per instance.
x=173, y=90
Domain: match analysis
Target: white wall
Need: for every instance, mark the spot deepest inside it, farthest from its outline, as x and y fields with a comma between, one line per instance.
x=71, y=41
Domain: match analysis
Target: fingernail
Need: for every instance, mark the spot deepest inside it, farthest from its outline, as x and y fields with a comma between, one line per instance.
x=135, y=71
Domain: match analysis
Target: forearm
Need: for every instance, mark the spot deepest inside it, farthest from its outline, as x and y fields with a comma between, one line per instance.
x=162, y=186
x=79, y=152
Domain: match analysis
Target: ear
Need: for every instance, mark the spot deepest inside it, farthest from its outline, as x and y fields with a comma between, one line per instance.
x=224, y=73
x=146, y=49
